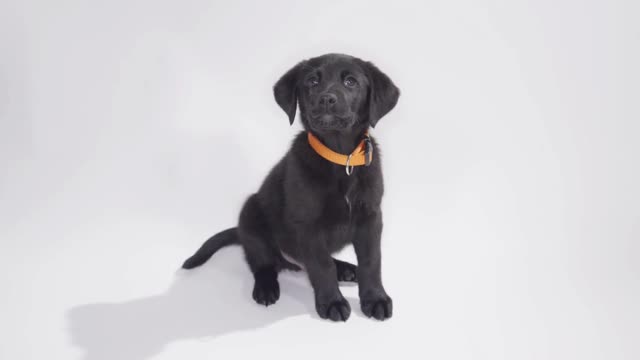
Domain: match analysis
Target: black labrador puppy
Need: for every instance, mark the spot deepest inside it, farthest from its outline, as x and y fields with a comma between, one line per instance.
x=323, y=194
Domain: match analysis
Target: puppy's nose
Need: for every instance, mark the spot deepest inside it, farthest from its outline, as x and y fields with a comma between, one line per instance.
x=328, y=99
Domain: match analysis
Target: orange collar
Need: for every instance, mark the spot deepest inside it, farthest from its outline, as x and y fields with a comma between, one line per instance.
x=362, y=155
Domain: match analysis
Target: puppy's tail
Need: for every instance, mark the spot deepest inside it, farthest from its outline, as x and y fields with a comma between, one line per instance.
x=215, y=243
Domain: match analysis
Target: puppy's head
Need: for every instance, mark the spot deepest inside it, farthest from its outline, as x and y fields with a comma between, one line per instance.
x=336, y=93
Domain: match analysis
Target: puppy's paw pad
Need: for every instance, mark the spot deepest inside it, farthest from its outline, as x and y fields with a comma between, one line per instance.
x=266, y=292
x=338, y=310
x=380, y=308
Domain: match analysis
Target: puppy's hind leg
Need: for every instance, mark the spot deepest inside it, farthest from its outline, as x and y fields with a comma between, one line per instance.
x=288, y=265
x=346, y=271
x=260, y=252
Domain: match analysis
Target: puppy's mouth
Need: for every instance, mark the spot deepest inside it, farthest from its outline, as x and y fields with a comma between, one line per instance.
x=330, y=122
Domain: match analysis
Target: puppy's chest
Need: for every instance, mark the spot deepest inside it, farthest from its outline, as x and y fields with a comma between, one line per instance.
x=342, y=208
x=343, y=203
x=338, y=215
x=339, y=207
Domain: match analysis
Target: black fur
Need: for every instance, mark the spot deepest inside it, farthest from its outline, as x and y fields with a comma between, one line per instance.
x=217, y=241
x=308, y=207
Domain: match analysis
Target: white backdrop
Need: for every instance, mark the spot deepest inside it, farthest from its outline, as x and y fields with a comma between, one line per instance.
x=511, y=161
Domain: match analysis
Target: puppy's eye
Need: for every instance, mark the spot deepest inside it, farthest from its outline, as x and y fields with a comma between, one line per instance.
x=350, y=81
x=313, y=81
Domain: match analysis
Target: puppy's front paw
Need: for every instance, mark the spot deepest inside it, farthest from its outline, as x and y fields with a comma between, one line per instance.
x=380, y=308
x=337, y=310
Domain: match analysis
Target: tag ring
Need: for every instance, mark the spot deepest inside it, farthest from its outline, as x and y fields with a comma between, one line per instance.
x=348, y=168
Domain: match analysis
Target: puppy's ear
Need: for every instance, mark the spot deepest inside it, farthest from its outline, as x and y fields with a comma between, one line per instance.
x=286, y=91
x=383, y=94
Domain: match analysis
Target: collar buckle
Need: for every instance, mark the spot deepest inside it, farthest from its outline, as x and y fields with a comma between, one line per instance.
x=368, y=151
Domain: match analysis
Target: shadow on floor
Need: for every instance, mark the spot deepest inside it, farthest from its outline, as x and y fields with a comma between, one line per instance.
x=206, y=302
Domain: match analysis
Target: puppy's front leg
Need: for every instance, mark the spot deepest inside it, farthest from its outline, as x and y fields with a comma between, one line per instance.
x=374, y=300
x=330, y=304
